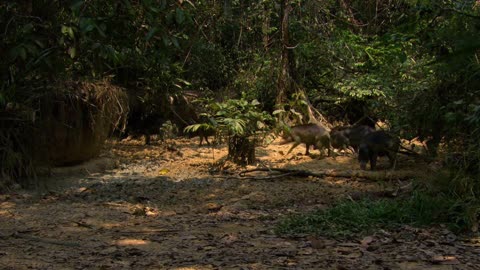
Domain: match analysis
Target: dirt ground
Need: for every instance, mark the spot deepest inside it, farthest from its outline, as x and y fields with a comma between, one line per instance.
x=171, y=208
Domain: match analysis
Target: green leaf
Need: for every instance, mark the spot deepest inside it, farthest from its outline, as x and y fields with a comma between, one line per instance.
x=101, y=29
x=192, y=128
x=22, y=52
x=403, y=57
x=278, y=111
x=175, y=42
x=166, y=40
x=27, y=28
x=154, y=9
x=190, y=3
x=88, y=28
x=31, y=49
x=39, y=43
x=179, y=16
x=151, y=33
x=72, y=52
x=184, y=82
x=451, y=117
x=66, y=30
x=75, y=6
x=43, y=56
x=163, y=4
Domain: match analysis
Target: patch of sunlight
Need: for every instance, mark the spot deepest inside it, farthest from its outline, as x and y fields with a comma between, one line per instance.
x=191, y=268
x=110, y=225
x=211, y=196
x=7, y=205
x=81, y=189
x=5, y=213
x=475, y=240
x=345, y=159
x=132, y=242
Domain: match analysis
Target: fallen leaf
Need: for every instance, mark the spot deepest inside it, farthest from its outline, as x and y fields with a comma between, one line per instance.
x=163, y=171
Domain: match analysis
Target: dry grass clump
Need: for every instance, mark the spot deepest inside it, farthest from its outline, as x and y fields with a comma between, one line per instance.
x=67, y=124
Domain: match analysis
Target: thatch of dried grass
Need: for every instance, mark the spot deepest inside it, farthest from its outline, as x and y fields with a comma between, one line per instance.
x=77, y=118
x=61, y=127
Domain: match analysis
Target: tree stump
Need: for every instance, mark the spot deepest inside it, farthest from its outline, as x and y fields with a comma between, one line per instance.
x=241, y=150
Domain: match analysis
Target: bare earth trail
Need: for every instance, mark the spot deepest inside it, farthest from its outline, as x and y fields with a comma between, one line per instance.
x=162, y=209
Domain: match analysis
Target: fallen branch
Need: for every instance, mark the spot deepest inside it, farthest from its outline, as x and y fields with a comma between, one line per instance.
x=371, y=175
x=300, y=173
x=268, y=177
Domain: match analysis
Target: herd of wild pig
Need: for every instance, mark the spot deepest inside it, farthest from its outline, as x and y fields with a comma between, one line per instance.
x=367, y=142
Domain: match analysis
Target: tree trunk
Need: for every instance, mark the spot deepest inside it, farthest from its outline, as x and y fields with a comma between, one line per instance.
x=285, y=82
x=227, y=9
x=286, y=85
x=266, y=27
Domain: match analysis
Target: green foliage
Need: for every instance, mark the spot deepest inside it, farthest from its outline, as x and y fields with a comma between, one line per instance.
x=417, y=69
x=350, y=217
x=294, y=110
x=93, y=39
x=168, y=130
x=241, y=122
x=234, y=118
x=258, y=76
x=413, y=64
x=16, y=149
x=210, y=67
x=196, y=127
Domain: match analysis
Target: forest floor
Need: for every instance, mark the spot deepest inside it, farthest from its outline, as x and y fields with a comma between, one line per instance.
x=161, y=208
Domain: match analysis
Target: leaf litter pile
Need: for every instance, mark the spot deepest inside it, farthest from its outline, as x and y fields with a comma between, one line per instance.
x=184, y=207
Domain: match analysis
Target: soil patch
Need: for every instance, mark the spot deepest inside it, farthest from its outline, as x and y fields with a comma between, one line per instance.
x=169, y=208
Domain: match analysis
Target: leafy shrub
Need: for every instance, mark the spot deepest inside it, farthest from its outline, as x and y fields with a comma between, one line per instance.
x=240, y=122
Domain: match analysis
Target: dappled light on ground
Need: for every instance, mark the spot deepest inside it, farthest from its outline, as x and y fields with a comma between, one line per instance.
x=131, y=242
x=181, y=207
